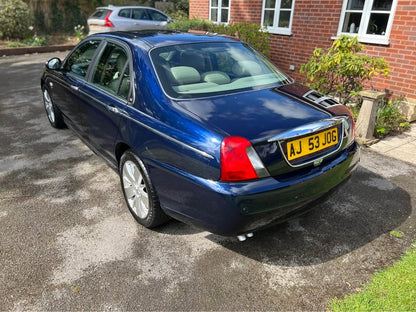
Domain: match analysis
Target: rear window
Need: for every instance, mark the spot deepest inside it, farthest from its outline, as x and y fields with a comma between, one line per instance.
x=100, y=13
x=206, y=69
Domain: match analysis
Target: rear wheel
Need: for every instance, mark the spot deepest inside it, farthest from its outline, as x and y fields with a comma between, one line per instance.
x=139, y=193
x=54, y=115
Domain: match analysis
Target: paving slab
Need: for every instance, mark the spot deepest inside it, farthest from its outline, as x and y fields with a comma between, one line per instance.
x=402, y=147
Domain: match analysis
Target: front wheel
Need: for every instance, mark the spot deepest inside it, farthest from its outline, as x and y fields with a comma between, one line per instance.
x=54, y=114
x=139, y=193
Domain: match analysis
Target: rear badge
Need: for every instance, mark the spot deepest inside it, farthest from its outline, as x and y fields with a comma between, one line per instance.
x=318, y=162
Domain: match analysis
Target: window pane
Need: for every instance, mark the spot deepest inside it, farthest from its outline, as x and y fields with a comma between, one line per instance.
x=284, y=19
x=214, y=3
x=355, y=4
x=268, y=18
x=80, y=59
x=100, y=14
x=124, y=13
x=110, y=68
x=378, y=24
x=224, y=15
x=140, y=14
x=225, y=3
x=286, y=4
x=382, y=5
x=156, y=16
x=351, y=22
x=270, y=4
x=214, y=13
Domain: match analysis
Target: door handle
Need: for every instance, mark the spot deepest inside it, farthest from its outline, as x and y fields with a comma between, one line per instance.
x=75, y=88
x=113, y=109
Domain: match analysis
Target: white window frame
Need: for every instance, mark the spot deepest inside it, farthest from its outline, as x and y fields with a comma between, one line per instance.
x=365, y=20
x=219, y=9
x=276, y=29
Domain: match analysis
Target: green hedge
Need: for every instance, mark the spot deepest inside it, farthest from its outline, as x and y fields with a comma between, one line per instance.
x=248, y=32
x=14, y=19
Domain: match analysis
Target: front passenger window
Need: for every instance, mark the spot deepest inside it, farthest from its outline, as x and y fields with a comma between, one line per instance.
x=156, y=16
x=79, y=61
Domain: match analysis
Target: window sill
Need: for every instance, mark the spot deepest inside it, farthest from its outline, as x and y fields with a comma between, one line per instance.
x=368, y=40
x=279, y=32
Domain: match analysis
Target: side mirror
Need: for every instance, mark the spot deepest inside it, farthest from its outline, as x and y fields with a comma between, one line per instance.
x=54, y=63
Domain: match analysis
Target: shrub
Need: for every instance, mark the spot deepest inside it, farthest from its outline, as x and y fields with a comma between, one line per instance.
x=194, y=23
x=389, y=120
x=342, y=70
x=250, y=33
x=14, y=19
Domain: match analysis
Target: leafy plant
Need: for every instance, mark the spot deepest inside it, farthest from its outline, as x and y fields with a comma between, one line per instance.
x=79, y=32
x=249, y=32
x=389, y=120
x=14, y=19
x=396, y=234
x=36, y=41
x=193, y=23
x=16, y=44
x=342, y=70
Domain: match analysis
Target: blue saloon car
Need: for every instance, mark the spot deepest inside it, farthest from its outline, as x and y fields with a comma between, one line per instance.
x=201, y=128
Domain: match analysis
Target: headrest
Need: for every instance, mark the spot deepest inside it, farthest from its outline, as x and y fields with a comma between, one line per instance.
x=185, y=74
x=217, y=77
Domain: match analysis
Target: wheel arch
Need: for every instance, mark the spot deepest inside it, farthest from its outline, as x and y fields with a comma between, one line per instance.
x=120, y=149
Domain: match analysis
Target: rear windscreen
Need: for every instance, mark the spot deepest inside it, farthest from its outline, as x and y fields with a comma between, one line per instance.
x=100, y=13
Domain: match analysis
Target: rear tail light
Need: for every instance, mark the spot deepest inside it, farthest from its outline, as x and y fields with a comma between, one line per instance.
x=239, y=160
x=351, y=130
x=339, y=110
x=107, y=22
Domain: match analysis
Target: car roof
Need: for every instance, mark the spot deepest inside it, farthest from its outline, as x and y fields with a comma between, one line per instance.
x=124, y=7
x=161, y=38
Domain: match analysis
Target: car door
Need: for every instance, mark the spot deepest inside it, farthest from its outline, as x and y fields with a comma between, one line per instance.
x=123, y=21
x=159, y=20
x=141, y=19
x=73, y=76
x=108, y=93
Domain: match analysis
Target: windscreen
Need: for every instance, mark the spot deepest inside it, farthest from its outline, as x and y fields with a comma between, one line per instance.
x=206, y=69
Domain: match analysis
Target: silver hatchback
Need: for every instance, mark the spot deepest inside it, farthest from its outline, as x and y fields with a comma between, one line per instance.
x=125, y=18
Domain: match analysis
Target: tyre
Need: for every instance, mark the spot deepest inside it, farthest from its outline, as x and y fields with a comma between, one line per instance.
x=139, y=193
x=54, y=114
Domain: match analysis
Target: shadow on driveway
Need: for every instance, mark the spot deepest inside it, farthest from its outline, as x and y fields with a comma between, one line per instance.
x=363, y=209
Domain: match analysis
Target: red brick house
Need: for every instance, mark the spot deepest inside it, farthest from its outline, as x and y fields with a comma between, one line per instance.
x=387, y=28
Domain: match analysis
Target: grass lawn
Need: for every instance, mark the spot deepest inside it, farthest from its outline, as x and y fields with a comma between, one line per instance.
x=393, y=289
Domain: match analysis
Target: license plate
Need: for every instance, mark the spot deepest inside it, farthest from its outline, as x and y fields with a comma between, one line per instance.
x=311, y=144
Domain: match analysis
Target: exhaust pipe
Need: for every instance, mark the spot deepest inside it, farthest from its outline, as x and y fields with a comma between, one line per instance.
x=243, y=237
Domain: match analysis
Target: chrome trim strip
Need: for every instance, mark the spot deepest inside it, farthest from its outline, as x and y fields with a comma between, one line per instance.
x=306, y=129
x=316, y=127
x=205, y=154
x=323, y=98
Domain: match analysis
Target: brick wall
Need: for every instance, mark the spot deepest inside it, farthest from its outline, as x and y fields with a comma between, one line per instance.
x=199, y=9
x=315, y=22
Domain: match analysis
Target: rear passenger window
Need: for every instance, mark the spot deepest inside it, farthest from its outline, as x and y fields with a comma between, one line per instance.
x=125, y=13
x=112, y=72
x=140, y=14
x=79, y=61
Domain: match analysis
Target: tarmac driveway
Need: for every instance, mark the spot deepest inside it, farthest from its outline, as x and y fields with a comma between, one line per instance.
x=68, y=241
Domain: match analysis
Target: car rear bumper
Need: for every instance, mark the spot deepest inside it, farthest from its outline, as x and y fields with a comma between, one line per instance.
x=237, y=208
